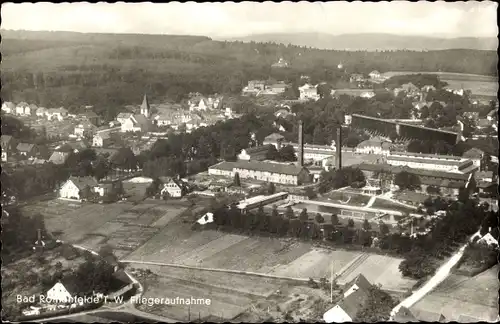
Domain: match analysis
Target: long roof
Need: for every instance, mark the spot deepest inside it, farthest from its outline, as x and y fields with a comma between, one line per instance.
x=58, y=157
x=419, y=172
x=424, y=160
x=424, y=155
x=83, y=182
x=288, y=169
x=274, y=137
x=25, y=147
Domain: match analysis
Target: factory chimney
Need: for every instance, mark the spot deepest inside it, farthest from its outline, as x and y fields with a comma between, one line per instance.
x=300, y=155
x=338, y=150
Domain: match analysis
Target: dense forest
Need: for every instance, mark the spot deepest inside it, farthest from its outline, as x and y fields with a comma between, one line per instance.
x=111, y=71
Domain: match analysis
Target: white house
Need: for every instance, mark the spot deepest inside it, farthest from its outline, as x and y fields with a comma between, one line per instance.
x=309, y=92
x=174, y=188
x=41, y=112
x=274, y=139
x=74, y=187
x=101, y=139
x=374, y=74
x=59, y=293
x=123, y=117
x=204, y=104
x=375, y=145
x=136, y=123
x=57, y=113
x=368, y=94
x=23, y=109
x=8, y=107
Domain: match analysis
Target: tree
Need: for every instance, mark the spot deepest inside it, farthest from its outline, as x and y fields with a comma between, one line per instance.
x=406, y=180
x=304, y=217
x=289, y=213
x=287, y=154
x=275, y=213
x=271, y=188
x=319, y=219
x=236, y=180
x=350, y=223
x=377, y=307
x=384, y=229
x=334, y=219
x=125, y=159
x=366, y=225
x=393, y=136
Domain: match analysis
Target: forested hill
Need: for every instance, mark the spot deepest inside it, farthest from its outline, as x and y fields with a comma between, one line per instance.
x=110, y=71
x=374, y=42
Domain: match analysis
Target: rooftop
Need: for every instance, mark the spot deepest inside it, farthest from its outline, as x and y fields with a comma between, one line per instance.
x=425, y=160
x=288, y=169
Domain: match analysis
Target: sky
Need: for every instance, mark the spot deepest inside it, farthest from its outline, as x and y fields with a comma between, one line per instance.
x=219, y=20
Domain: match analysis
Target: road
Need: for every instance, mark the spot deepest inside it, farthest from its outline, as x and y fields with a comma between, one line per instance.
x=430, y=285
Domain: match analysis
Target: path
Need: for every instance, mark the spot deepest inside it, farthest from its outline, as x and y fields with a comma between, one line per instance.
x=432, y=283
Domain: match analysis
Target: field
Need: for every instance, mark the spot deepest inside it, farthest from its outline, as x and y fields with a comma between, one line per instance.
x=389, y=205
x=353, y=198
x=232, y=296
x=475, y=297
x=123, y=225
x=483, y=85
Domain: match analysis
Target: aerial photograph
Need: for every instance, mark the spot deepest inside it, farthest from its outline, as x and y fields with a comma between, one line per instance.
x=252, y=162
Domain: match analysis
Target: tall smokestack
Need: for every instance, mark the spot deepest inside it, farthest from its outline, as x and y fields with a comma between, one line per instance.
x=338, y=150
x=300, y=158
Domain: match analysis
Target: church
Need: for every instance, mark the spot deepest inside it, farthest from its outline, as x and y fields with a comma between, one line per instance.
x=139, y=122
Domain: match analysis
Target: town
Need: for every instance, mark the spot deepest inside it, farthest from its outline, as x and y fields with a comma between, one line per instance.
x=357, y=194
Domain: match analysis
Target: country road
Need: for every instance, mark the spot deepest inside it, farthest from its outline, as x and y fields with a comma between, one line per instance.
x=441, y=274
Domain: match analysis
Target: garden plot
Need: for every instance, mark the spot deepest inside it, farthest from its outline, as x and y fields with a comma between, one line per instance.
x=130, y=237
x=316, y=264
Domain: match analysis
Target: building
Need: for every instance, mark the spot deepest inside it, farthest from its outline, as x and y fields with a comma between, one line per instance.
x=57, y=114
x=84, y=129
x=77, y=188
x=145, y=108
x=309, y=92
x=204, y=104
x=376, y=145
x=173, y=187
x=475, y=155
x=356, y=77
x=367, y=94
x=258, y=153
x=355, y=297
x=123, y=117
x=277, y=88
x=446, y=163
x=27, y=149
x=282, y=63
x=274, y=139
x=263, y=171
x=256, y=85
x=8, y=146
x=23, y=109
x=374, y=75
x=428, y=88
x=41, y=112
x=8, y=107
x=136, y=123
x=93, y=118
x=59, y=157
x=492, y=115
x=59, y=293
x=101, y=139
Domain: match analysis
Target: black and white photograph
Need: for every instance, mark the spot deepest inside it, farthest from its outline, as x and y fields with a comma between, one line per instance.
x=249, y=162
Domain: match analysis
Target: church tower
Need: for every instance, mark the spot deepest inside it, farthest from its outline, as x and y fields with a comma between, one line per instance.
x=145, y=109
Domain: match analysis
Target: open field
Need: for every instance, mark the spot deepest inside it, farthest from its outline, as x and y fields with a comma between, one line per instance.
x=387, y=204
x=483, y=85
x=475, y=297
x=341, y=197
x=123, y=225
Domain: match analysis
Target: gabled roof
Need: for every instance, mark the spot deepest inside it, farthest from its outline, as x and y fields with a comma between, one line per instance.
x=274, y=137
x=9, y=104
x=103, y=135
x=361, y=282
x=83, y=182
x=6, y=140
x=405, y=315
x=258, y=149
x=354, y=302
x=473, y=153
x=141, y=121
x=25, y=147
x=58, y=157
x=493, y=113
x=124, y=115
x=179, y=183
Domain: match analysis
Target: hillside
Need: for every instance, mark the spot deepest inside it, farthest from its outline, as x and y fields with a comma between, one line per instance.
x=372, y=42
x=110, y=71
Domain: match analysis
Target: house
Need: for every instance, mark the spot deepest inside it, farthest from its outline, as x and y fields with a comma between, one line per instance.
x=475, y=155
x=277, y=88
x=309, y=92
x=353, y=300
x=274, y=139
x=447, y=163
x=93, y=118
x=367, y=94
x=123, y=117
x=41, y=112
x=136, y=123
x=258, y=153
x=282, y=63
x=374, y=145
x=173, y=187
x=84, y=129
x=8, y=146
x=404, y=315
x=473, y=115
x=145, y=108
x=288, y=174
x=27, y=149
x=410, y=89
x=427, y=316
x=374, y=75
x=492, y=115
x=23, y=109
x=356, y=78
x=282, y=113
x=77, y=188
x=59, y=157
x=428, y=88
x=8, y=107
x=482, y=123
x=256, y=85
x=62, y=293
x=57, y=113
x=101, y=139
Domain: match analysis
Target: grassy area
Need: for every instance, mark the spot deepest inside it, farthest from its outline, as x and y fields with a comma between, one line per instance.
x=352, y=198
x=389, y=205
